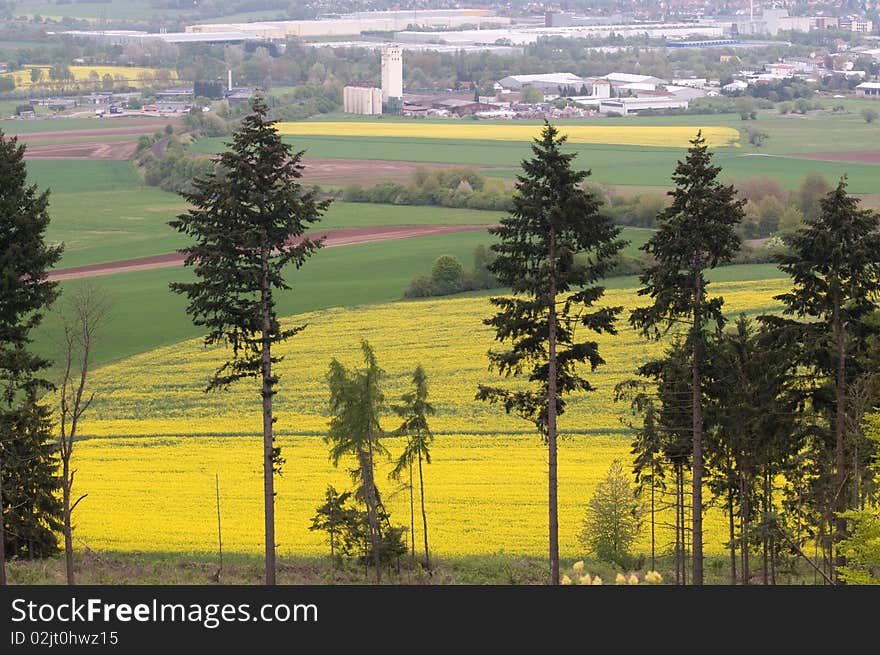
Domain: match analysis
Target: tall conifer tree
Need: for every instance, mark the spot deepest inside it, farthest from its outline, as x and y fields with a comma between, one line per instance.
x=553, y=247
x=249, y=221
x=834, y=262
x=696, y=232
x=27, y=464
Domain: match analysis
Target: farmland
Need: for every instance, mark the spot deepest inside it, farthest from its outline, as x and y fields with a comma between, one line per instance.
x=153, y=441
x=83, y=76
x=636, y=135
x=153, y=428
x=612, y=162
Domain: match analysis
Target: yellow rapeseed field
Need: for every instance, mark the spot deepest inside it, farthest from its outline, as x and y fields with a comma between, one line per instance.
x=630, y=135
x=83, y=76
x=156, y=440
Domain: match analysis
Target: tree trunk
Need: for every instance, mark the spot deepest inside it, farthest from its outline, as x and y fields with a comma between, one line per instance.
x=412, y=515
x=653, y=466
x=372, y=503
x=732, y=532
x=551, y=422
x=839, y=431
x=424, y=515
x=68, y=536
x=697, y=401
x=679, y=525
x=772, y=534
x=745, y=509
x=2, y=531
x=268, y=440
x=764, y=538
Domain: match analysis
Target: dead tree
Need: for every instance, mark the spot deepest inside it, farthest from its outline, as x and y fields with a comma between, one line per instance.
x=82, y=317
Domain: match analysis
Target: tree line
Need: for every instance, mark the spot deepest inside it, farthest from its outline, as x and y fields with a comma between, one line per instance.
x=771, y=416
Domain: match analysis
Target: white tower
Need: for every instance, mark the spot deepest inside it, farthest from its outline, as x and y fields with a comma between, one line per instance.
x=392, y=73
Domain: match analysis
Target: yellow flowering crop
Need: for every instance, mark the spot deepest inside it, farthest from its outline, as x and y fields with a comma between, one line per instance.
x=630, y=135
x=154, y=440
x=82, y=75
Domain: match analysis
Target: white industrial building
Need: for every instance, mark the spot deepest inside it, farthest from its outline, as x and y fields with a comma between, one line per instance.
x=516, y=35
x=542, y=81
x=362, y=100
x=358, y=23
x=370, y=100
x=618, y=80
x=630, y=106
x=392, y=73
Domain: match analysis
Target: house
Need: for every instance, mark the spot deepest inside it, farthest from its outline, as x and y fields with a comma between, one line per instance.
x=870, y=89
x=238, y=95
x=780, y=70
x=735, y=87
x=463, y=107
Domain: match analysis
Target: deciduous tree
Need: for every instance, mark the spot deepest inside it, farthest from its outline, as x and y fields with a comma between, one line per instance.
x=415, y=411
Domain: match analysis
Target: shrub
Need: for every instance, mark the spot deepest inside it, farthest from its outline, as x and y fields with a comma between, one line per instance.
x=420, y=287
x=447, y=274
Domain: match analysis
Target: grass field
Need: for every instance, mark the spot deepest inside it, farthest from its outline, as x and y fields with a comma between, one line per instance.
x=624, y=165
x=103, y=212
x=155, y=440
x=61, y=124
x=146, y=314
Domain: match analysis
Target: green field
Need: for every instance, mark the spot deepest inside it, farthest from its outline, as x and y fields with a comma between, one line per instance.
x=823, y=131
x=103, y=212
x=62, y=124
x=146, y=314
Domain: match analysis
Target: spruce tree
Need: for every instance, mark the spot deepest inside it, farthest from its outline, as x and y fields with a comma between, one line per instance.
x=249, y=221
x=27, y=464
x=554, y=245
x=696, y=232
x=834, y=262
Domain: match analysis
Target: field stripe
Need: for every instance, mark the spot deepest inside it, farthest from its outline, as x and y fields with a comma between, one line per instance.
x=637, y=135
x=333, y=239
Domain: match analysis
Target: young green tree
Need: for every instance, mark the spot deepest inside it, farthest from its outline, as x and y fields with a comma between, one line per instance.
x=862, y=545
x=356, y=402
x=834, y=262
x=696, y=232
x=25, y=293
x=248, y=221
x=415, y=411
x=614, y=518
x=554, y=219
x=334, y=518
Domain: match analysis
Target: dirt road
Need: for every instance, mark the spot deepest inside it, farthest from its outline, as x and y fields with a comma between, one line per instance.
x=333, y=238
